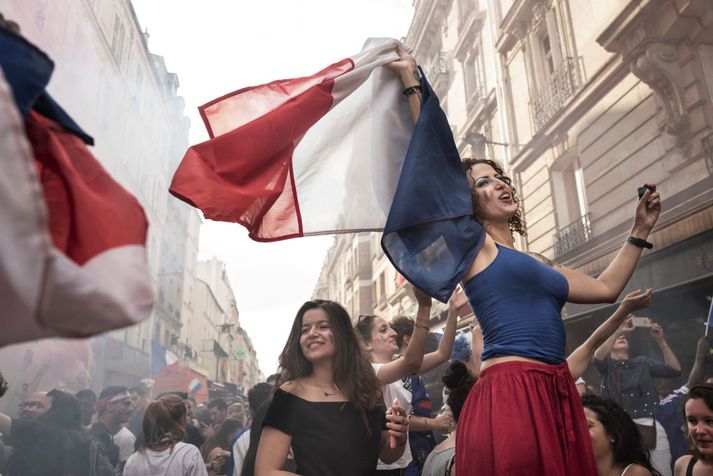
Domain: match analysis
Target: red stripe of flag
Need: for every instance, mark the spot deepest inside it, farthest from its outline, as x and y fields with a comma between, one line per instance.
x=245, y=175
x=89, y=212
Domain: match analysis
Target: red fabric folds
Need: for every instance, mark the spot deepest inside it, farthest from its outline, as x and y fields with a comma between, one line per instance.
x=89, y=212
x=522, y=419
x=243, y=173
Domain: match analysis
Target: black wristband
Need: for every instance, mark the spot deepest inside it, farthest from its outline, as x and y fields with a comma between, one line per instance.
x=640, y=242
x=412, y=90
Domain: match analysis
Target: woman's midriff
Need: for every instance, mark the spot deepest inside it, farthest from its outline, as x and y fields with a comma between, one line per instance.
x=506, y=358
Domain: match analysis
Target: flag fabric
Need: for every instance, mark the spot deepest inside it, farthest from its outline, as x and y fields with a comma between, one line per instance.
x=430, y=236
x=72, y=245
x=194, y=386
x=305, y=156
x=709, y=321
x=161, y=358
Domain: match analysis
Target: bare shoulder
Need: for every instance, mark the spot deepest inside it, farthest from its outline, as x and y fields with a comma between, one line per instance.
x=483, y=259
x=637, y=470
x=679, y=469
x=291, y=386
x=544, y=259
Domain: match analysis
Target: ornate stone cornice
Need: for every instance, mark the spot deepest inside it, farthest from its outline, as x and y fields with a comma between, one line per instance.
x=647, y=34
x=523, y=16
x=659, y=68
x=428, y=25
x=469, y=34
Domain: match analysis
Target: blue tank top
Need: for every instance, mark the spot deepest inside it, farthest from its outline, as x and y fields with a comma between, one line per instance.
x=518, y=302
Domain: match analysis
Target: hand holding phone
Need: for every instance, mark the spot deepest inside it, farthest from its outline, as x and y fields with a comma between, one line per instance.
x=642, y=190
x=641, y=321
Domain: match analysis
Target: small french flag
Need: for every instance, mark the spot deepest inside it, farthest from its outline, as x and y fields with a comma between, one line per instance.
x=194, y=386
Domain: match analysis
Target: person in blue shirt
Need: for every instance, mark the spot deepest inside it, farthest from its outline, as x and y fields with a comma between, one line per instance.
x=446, y=226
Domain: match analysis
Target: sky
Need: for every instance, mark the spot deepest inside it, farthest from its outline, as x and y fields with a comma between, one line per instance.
x=218, y=46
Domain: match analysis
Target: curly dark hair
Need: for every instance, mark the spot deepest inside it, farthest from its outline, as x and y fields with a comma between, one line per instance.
x=458, y=380
x=353, y=374
x=515, y=222
x=627, y=447
x=703, y=391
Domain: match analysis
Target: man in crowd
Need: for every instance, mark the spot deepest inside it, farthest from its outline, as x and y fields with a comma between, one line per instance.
x=41, y=446
x=257, y=395
x=218, y=411
x=36, y=404
x=87, y=399
x=113, y=410
x=139, y=402
x=629, y=381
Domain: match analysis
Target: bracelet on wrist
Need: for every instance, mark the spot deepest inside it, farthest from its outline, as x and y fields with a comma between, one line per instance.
x=639, y=242
x=422, y=326
x=410, y=91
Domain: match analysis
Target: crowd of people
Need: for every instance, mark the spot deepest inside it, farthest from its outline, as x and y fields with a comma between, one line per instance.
x=349, y=400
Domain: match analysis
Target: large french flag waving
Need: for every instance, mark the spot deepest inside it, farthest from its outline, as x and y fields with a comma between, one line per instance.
x=72, y=242
x=336, y=152
x=314, y=155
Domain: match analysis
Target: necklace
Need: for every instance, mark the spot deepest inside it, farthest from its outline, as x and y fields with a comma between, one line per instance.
x=324, y=392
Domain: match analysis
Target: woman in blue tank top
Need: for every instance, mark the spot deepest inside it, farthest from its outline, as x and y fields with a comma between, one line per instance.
x=524, y=416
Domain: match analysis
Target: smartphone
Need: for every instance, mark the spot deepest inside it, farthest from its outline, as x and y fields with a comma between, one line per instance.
x=641, y=321
x=641, y=191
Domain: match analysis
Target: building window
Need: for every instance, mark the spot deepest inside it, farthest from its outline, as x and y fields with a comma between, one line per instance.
x=555, y=75
x=474, y=77
x=547, y=58
x=117, y=39
x=574, y=228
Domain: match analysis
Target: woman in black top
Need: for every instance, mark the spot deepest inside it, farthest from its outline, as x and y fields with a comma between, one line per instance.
x=330, y=409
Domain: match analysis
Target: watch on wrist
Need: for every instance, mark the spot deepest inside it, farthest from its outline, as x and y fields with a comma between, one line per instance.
x=639, y=242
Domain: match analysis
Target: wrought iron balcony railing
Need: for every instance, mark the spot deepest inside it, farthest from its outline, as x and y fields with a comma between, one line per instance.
x=573, y=235
x=563, y=83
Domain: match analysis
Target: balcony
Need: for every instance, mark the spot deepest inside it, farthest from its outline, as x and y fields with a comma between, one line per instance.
x=562, y=85
x=573, y=235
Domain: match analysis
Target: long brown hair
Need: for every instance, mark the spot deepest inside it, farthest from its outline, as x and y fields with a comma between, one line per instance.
x=164, y=422
x=515, y=222
x=353, y=374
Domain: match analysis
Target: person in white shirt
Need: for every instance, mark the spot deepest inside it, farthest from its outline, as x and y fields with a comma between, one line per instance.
x=163, y=452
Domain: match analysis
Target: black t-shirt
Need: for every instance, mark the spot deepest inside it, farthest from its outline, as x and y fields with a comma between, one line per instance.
x=103, y=436
x=45, y=450
x=328, y=438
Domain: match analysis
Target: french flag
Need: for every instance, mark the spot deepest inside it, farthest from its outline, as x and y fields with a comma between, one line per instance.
x=72, y=242
x=162, y=358
x=337, y=152
x=306, y=156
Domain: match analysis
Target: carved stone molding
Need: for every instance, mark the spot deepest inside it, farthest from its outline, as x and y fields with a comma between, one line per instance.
x=659, y=68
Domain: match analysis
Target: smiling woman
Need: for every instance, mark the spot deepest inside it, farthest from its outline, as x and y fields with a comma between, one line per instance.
x=329, y=408
x=698, y=410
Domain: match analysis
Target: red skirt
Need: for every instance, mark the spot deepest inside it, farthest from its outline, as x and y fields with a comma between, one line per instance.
x=524, y=418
